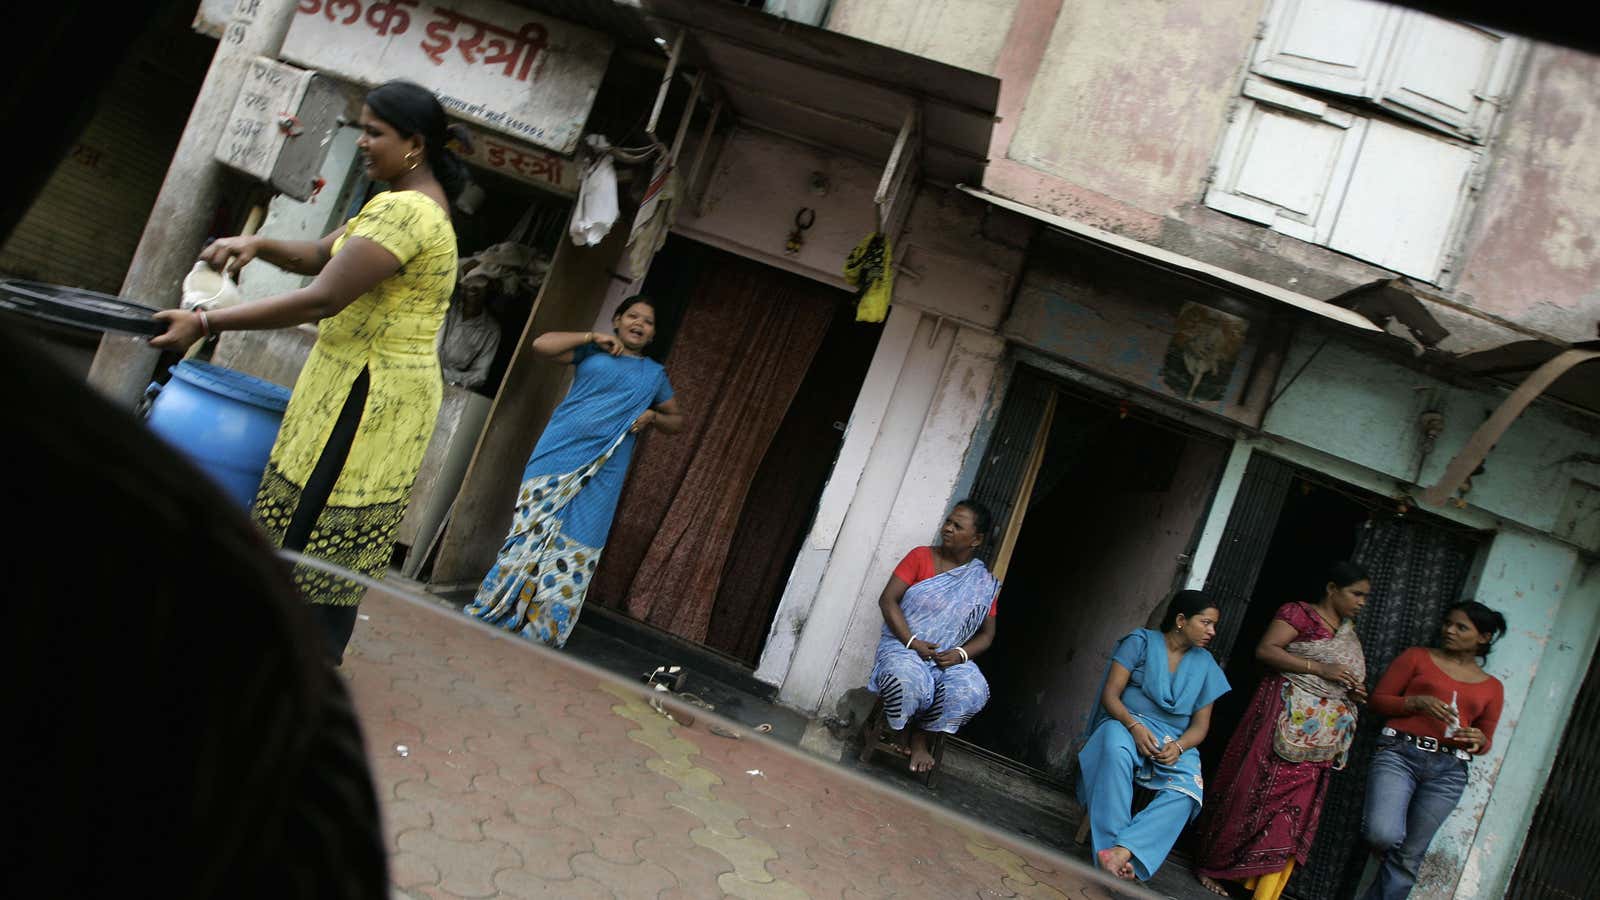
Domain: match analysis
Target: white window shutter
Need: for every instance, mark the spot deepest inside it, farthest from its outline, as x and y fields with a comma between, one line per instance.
x=1284, y=164
x=1403, y=200
x=1334, y=45
x=1447, y=74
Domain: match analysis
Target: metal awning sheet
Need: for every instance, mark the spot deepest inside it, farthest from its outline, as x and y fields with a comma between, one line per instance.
x=1180, y=263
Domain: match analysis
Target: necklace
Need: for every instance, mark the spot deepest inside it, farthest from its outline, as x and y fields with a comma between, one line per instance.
x=1332, y=626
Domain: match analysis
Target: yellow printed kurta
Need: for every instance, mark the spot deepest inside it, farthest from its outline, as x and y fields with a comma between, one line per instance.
x=390, y=332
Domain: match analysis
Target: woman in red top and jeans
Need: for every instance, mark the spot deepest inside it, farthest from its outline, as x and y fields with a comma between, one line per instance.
x=1442, y=708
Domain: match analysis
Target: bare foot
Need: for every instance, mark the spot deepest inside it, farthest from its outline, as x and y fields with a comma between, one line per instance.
x=1213, y=885
x=1118, y=861
x=921, y=759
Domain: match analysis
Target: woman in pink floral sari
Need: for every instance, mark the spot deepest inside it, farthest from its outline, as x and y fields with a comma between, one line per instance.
x=1274, y=775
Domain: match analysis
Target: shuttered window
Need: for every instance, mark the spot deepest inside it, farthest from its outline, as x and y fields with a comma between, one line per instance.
x=1360, y=129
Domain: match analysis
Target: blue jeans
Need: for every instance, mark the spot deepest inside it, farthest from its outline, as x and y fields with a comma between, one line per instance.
x=1410, y=792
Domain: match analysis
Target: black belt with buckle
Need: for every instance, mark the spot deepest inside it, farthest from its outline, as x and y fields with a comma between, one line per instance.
x=1427, y=744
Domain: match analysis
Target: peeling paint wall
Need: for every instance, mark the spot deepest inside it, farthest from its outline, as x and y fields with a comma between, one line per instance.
x=1359, y=406
x=968, y=34
x=1132, y=96
x=1531, y=255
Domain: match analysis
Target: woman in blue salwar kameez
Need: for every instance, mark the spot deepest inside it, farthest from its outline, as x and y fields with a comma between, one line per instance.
x=1154, y=710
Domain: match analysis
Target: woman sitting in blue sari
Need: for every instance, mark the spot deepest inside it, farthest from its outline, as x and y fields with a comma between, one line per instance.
x=1155, y=709
x=938, y=614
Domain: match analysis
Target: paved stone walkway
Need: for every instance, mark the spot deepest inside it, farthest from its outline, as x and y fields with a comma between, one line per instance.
x=508, y=771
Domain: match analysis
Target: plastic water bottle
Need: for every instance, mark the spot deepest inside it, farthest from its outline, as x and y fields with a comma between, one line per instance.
x=1455, y=717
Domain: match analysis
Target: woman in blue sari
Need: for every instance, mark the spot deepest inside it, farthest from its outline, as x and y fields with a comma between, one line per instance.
x=1155, y=709
x=938, y=614
x=575, y=475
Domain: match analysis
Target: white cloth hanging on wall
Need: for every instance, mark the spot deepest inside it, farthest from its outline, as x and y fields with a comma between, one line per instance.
x=597, y=207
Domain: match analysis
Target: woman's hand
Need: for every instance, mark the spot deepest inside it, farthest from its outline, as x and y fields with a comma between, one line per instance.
x=1169, y=753
x=1144, y=740
x=1469, y=739
x=231, y=254
x=607, y=342
x=645, y=420
x=923, y=649
x=1430, y=706
x=183, y=329
x=948, y=658
x=1358, y=694
x=1340, y=675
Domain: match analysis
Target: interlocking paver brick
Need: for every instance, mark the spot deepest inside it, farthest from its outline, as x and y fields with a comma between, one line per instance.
x=642, y=880
x=527, y=776
x=546, y=851
x=466, y=868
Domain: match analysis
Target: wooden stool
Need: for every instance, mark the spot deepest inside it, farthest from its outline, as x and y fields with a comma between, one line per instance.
x=877, y=736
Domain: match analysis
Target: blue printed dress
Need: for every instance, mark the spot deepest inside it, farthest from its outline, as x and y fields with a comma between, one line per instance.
x=945, y=610
x=568, y=496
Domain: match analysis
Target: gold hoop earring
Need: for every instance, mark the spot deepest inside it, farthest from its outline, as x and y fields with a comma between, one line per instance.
x=412, y=158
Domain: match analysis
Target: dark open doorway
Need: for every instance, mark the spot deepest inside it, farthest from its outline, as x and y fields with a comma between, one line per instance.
x=1112, y=512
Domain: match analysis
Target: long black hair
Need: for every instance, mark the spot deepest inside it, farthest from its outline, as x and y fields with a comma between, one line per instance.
x=411, y=109
x=1187, y=604
x=1489, y=623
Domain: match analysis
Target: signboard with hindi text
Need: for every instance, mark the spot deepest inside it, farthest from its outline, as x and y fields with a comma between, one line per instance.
x=526, y=164
x=490, y=63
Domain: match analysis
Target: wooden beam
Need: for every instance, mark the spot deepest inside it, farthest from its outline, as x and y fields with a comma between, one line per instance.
x=1019, y=506
x=687, y=117
x=666, y=81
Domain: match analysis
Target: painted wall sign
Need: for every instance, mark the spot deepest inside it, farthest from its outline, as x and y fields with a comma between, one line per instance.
x=526, y=164
x=252, y=139
x=489, y=62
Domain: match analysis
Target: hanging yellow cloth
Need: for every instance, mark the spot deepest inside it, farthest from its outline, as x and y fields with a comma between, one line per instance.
x=1269, y=887
x=870, y=270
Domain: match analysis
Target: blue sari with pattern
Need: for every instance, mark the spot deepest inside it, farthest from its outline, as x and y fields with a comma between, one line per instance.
x=568, y=497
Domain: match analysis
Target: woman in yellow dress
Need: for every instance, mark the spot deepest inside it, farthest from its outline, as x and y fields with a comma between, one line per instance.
x=364, y=406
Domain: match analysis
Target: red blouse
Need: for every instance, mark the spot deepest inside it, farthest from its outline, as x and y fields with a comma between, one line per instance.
x=919, y=565
x=1413, y=674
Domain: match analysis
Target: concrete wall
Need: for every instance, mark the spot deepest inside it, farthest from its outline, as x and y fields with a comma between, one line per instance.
x=965, y=33
x=1357, y=405
x=1531, y=253
x=954, y=258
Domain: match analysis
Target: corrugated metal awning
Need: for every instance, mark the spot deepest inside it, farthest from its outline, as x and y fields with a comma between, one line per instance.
x=1179, y=263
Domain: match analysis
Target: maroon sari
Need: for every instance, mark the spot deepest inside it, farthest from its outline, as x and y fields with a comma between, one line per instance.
x=1261, y=810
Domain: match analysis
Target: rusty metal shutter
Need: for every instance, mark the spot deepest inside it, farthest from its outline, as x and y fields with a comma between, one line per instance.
x=84, y=226
x=1231, y=583
x=1558, y=859
x=1006, y=456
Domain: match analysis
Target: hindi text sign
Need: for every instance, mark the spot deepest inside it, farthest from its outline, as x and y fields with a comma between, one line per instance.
x=252, y=139
x=489, y=62
x=541, y=168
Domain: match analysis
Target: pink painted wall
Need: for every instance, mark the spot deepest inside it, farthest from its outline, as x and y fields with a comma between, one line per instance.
x=1531, y=254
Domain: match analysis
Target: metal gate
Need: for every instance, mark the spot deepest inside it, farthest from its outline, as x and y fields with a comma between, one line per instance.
x=1232, y=579
x=1558, y=858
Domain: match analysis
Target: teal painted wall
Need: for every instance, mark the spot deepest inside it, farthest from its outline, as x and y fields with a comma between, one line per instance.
x=1357, y=405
